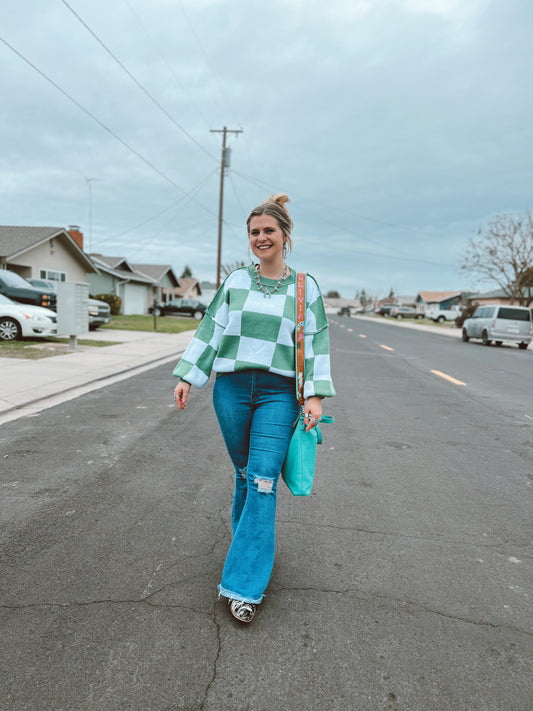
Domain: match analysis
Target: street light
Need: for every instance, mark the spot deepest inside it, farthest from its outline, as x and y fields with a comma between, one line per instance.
x=89, y=181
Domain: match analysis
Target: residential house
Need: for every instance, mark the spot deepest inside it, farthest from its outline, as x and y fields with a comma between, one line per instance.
x=442, y=299
x=498, y=296
x=45, y=253
x=166, y=282
x=189, y=288
x=116, y=276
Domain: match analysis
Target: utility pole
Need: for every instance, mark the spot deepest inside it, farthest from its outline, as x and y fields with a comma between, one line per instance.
x=223, y=165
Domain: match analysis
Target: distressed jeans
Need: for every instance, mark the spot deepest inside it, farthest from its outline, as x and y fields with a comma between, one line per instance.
x=256, y=412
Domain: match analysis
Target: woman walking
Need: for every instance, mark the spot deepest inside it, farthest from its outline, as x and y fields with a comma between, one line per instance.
x=247, y=338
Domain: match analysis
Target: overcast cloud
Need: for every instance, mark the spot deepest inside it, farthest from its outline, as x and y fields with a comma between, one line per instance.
x=397, y=127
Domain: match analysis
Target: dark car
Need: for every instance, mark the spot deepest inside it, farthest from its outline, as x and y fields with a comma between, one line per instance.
x=344, y=311
x=18, y=289
x=385, y=309
x=180, y=307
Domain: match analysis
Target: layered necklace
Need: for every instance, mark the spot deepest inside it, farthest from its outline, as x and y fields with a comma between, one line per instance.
x=268, y=291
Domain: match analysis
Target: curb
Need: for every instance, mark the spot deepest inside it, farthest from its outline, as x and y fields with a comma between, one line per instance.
x=455, y=333
x=100, y=381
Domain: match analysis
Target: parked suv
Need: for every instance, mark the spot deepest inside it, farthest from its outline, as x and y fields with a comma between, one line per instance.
x=493, y=322
x=403, y=312
x=18, y=289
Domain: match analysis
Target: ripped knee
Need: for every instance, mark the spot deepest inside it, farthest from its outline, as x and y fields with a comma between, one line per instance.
x=264, y=485
x=240, y=473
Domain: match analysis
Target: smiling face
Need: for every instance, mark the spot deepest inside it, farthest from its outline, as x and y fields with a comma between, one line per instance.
x=266, y=239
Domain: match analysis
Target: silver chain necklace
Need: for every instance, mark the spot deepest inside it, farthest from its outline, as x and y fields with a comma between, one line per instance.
x=267, y=291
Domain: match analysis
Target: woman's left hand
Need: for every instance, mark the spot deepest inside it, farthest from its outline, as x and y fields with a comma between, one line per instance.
x=312, y=412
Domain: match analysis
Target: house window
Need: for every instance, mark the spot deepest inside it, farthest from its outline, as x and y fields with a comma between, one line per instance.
x=52, y=275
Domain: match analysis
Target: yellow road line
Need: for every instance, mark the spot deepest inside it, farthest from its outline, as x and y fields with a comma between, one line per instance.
x=448, y=377
x=387, y=348
x=362, y=335
x=350, y=330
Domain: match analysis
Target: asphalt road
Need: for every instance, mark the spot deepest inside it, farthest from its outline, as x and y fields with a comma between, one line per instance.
x=402, y=584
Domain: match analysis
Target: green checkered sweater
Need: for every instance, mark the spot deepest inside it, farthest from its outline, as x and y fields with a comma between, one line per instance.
x=244, y=328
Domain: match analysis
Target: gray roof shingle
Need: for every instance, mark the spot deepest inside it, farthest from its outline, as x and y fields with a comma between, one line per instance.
x=14, y=240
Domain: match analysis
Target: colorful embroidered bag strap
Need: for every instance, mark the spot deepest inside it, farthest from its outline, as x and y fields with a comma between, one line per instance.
x=299, y=337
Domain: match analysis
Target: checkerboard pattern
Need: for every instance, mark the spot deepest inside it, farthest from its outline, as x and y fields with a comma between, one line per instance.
x=245, y=328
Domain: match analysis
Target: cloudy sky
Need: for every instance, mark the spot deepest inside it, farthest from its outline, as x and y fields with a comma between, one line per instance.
x=397, y=128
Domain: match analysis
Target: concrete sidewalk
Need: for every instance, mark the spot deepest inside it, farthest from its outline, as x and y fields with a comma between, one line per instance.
x=26, y=384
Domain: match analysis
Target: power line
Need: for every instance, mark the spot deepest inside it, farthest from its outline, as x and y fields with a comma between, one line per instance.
x=352, y=232
x=337, y=209
x=237, y=196
x=149, y=219
x=141, y=87
x=166, y=209
x=102, y=125
x=204, y=55
x=165, y=60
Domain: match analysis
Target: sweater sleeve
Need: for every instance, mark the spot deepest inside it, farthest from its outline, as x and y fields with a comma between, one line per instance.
x=196, y=363
x=316, y=343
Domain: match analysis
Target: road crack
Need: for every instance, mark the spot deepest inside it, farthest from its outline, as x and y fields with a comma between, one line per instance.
x=407, y=536
x=217, y=656
x=409, y=605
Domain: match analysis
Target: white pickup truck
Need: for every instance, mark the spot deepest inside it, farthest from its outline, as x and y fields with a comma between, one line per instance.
x=433, y=311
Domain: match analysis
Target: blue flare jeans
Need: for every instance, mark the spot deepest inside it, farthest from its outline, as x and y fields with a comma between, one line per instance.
x=256, y=411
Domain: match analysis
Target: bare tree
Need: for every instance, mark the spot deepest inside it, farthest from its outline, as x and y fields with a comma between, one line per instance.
x=503, y=252
x=226, y=269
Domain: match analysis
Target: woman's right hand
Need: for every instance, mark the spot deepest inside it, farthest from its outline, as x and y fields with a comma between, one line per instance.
x=181, y=393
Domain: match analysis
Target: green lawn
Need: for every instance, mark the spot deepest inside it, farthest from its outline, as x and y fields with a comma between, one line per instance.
x=34, y=348
x=44, y=347
x=165, y=324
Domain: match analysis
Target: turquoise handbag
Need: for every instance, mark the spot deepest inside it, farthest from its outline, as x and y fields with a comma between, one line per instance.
x=299, y=467
x=298, y=470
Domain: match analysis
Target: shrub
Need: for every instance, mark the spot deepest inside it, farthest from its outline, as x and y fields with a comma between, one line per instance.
x=465, y=314
x=113, y=300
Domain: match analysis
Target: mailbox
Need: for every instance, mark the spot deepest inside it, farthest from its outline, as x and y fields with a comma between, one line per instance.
x=72, y=309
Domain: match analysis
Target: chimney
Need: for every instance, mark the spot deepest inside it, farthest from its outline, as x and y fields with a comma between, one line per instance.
x=77, y=236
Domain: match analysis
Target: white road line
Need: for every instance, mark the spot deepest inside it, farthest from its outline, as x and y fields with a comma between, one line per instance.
x=362, y=335
x=448, y=377
x=387, y=348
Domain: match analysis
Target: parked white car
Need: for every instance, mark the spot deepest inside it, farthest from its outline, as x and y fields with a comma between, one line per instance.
x=493, y=322
x=23, y=320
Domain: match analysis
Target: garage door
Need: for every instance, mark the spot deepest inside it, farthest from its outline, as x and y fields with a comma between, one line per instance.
x=134, y=299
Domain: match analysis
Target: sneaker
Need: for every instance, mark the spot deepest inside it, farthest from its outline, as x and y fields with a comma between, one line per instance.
x=242, y=611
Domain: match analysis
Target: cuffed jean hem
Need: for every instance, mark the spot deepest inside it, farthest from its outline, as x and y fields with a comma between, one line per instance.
x=236, y=596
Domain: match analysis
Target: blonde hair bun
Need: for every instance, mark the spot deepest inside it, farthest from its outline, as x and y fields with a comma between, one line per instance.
x=278, y=199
